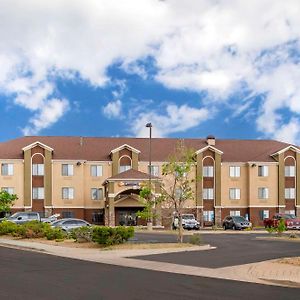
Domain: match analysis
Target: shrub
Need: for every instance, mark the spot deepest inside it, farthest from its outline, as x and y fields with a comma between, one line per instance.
x=82, y=234
x=195, y=239
x=54, y=234
x=270, y=229
x=33, y=229
x=111, y=235
x=281, y=227
x=293, y=236
x=8, y=228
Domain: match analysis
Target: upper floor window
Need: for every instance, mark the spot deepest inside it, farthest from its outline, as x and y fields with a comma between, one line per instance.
x=7, y=169
x=125, y=163
x=154, y=170
x=67, y=170
x=10, y=190
x=96, y=193
x=289, y=193
x=38, y=193
x=67, y=193
x=208, y=194
x=96, y=171
x=124, y=168
x=234, y=194
x=234, y=171
x=263, y=171
x=178, y=193
x=263, y=193
x=208, y=171
x=38, y=169
x=289, y=171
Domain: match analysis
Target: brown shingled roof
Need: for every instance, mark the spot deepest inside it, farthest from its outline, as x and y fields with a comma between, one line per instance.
x=132, y=174
x=99, y=148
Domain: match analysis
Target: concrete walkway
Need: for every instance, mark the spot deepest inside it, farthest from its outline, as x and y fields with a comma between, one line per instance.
x=268, y=272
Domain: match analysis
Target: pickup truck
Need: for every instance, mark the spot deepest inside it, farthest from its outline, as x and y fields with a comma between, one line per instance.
x=23, y=217
x=291, y=221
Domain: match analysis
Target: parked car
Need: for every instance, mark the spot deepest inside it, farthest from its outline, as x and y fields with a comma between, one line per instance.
x=188, y=222
x=23, y=217
x=69, y=223
x=291, y=221
x=50, y=219
x=236, y=223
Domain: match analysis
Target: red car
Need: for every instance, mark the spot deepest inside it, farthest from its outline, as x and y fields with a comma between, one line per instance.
x=291, y=221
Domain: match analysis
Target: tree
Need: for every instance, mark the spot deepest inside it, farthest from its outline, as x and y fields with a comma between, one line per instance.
x=6, y=201
x=178, y=185
x=149, y=201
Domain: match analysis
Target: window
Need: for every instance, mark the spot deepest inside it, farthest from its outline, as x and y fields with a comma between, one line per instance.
x=208, y=171
x=234, y=171
x=235, y=213
x=124, y=168
x=234, y=194
x=10, y=190
x=96, y=171
x=98, y=217
x=7, y=169
x=67, y=214
x=38, y=193
x=289, y=193
x=96, y=193
x=154, y=170
x=263, y=171
x=263, y=193
x=266, y=214
x=67, y=170
x=208, y=194
x=67, y=193
x=38, y=169
x=289, y=171
x=208, y=216
x=290, y=212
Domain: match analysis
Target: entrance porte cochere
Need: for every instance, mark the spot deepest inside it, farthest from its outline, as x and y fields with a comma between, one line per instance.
x=122, y=197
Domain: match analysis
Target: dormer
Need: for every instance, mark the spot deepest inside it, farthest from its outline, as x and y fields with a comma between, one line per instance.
x=124, y=158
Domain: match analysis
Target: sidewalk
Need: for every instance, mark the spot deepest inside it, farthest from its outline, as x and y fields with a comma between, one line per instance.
x=268, y=272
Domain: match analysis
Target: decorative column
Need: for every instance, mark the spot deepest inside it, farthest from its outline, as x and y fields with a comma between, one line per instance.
x=218, y=210
x=298, y=184
x=281, y=184
x=199, y=199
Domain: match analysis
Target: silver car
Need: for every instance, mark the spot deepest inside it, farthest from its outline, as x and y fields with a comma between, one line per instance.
x=69, y=224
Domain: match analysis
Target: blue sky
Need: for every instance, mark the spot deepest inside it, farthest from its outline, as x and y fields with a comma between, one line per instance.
x=228, y=68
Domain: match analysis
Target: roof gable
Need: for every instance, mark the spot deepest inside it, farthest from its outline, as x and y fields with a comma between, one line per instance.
x=290, y=147
x=209, y=147
x=37, y=143
x=127, y=147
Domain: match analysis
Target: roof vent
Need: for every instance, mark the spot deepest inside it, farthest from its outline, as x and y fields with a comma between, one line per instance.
x=211, y=140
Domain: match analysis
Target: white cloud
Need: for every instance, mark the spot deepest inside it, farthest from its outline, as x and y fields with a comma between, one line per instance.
x=220, y=47
x=113, y=109
x=173, y=119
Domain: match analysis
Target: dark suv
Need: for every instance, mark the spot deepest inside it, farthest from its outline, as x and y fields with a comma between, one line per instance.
x=236, y=223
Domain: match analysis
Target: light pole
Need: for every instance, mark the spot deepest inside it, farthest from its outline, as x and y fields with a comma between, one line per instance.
x=149, y=125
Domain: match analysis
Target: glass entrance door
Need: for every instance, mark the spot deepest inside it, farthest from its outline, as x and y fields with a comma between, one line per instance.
x=127, y=218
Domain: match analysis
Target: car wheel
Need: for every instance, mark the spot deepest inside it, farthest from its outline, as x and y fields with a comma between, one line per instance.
x=224, y=227
x=233, y=227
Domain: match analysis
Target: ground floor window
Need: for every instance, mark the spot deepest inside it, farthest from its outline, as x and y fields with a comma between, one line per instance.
x=290, y=212
x=235, y=213
x=98, y=217
x=208, y=215
x=264, y=214
x=67, y=214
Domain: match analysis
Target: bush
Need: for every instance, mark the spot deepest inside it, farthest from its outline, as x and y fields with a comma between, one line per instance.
x=270, y=229
x=55, y=234
x=281, y=227
x=195, y=239
x=82, y=234
x=8, y=228
x=33, y=229
x=111, y=235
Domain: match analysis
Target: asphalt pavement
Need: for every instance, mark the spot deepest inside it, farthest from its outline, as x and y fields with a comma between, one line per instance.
x=232, y=249
x=29, y=275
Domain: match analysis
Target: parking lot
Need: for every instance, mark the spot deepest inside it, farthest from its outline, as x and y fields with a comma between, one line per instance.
x=231, y=249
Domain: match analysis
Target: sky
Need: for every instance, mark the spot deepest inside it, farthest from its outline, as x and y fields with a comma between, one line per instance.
x=191, y=68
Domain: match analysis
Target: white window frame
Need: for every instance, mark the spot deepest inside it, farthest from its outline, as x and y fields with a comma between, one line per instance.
x=235, y=171
x=208, y=171
x=154, y=170
x=263, y=193
x=263, y=171
x=67, y=193
x=38, y=170
x=96, y=170
x=7, y=169
x=266, y=214
x=10, y=190
x=208, y=215
x=234, y=194
x=69, y=168
x=208, y=193
x=289, y=171
x=235, y=213
x=96, y=193
x=289, y=193
x=38, y=193
x=124, y=168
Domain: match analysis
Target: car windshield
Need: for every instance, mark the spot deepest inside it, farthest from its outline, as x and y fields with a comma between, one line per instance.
x=57, y=223
x=289, y=216
x=188, y=217
x=14, y=216
x=239, y=219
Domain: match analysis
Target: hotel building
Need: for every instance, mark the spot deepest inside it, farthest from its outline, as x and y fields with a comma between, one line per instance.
x=98, y=179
